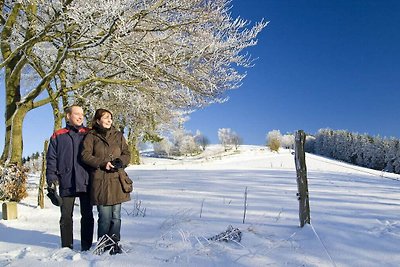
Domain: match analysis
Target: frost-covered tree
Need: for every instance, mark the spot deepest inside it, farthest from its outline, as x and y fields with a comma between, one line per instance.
x=186, y=51
x=309, y=144
x=392, y=153
x=188, y=145
x=287, y=141
x=176, y=139
x=392, y=156
x=201, y=140
x=274, y=138
x=237, y=140
x=323, y=142
x=346, y=146
x=163, y=147
x=378, y=151
x=182, y=142
x=225, y=136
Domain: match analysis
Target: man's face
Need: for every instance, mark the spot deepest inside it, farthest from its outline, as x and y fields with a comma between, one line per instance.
x=75, y=118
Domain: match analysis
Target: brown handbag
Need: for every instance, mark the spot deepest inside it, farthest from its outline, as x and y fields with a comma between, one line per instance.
x=126, y=182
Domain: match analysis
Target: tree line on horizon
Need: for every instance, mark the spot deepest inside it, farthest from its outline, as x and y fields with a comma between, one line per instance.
x=373, y=152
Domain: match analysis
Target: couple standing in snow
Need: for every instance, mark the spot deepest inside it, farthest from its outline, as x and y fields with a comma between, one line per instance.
x=87, y=163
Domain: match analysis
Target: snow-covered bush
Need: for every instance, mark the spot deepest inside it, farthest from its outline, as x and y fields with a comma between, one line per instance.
x=13, y=182
x=274, y=138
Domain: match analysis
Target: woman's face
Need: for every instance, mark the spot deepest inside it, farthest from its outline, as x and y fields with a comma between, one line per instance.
x=105, y=120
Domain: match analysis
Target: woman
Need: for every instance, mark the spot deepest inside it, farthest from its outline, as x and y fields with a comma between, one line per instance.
x=103, y=146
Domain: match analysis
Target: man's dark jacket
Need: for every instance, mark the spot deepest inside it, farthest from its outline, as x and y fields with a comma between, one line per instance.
x=63, y=161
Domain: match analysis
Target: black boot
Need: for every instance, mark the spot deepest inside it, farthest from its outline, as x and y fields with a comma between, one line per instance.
x=116, y=248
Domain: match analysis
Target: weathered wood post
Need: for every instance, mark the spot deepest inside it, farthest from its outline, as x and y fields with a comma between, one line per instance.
x=302, y=184
x=42, y=177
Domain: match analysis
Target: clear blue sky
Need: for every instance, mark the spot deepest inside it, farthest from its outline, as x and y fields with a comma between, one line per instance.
x=320, y=64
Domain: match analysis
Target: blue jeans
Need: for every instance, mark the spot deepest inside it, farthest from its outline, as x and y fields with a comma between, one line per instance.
x=109, y=221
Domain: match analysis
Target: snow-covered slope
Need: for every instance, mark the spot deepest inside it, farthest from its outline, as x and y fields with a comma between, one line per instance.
x=355, y=216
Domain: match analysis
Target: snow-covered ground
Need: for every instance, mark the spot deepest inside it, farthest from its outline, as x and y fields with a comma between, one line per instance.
x=355, y=216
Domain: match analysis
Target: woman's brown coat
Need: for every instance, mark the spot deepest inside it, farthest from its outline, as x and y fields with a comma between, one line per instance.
x=97, y=150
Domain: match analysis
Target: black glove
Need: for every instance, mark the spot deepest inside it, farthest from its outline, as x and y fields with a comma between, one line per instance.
x=52, y=184
x=117, y=163
x=53, y=195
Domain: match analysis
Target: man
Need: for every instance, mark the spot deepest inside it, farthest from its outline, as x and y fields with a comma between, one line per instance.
x=64, y=168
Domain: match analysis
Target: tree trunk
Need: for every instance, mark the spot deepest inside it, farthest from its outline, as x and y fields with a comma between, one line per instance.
x=132, y=144
x=57, y=116
x=16, y=142
x=135, y=158
x=12, y=95
x=7, y=138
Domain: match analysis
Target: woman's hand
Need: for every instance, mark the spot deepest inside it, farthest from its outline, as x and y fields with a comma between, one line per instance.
x=109, y=166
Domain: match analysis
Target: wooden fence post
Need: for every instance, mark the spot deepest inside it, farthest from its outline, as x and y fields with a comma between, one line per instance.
x=9, y=210
x=42, y=177
x=302, y=184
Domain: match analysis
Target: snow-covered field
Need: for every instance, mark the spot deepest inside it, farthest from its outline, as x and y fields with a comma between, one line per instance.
x=355, y=216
